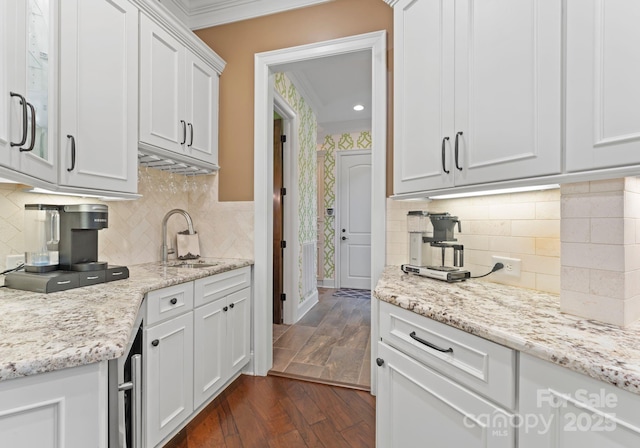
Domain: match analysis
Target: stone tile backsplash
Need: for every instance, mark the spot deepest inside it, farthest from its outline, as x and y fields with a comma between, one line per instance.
x=601, y=250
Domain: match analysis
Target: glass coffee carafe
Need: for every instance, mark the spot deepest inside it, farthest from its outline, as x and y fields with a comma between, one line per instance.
x=42, y=235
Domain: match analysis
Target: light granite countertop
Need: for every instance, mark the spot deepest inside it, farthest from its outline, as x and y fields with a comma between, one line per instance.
x=45, y=332
x=522, y=319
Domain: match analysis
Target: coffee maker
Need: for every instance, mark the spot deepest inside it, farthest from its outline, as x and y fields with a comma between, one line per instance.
x=429, y=242
x=61, y=244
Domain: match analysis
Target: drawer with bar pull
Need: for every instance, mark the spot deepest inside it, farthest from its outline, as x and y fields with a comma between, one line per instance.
x=481, y=365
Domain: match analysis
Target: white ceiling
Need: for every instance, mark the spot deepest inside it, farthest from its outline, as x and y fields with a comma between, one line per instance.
x=197, y=14
x=332, y=86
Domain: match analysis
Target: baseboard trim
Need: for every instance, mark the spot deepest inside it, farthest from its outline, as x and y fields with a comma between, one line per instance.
x=304, y=308
x=327, y=283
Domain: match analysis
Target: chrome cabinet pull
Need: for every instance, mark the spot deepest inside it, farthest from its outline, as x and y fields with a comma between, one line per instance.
x=184, y=132
x=456, y=150
x=429, y=344
x=191, y=130
x=24, y=119
x=444, y=165
x=33, y=129
x=136, y=400
x=73, y=152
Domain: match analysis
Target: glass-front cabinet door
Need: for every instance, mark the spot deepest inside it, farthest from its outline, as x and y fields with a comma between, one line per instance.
x=31, y=77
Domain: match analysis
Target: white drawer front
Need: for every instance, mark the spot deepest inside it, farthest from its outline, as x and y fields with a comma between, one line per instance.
x=483, y=366
x=169, y=302
x=220, y=285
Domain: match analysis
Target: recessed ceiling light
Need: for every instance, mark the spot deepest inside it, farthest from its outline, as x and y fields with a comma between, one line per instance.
x=358, y=107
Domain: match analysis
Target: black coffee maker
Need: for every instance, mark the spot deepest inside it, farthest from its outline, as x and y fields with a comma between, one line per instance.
x=78, y=254
x=79, y=225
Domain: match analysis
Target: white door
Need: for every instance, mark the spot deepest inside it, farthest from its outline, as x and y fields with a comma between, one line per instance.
x=508, y=77
x=354, y=234
x=98, y=94
x=603, y=88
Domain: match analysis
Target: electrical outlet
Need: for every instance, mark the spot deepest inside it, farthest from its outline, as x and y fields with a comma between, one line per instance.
x=512, y=266
x=13, y=261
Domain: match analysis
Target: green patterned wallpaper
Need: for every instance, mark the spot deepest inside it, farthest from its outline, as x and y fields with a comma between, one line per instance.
x=307, y=175
x=331, y=144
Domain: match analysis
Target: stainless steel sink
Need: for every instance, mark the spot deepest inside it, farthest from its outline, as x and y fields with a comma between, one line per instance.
x=193, y=265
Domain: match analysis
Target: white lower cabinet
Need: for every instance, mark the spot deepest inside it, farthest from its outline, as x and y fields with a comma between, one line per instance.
x=416, y=404
x=560, y=408
x=221, y=342
x=168, y=361
x=441, y=385
x=65, y=408
x=196, y=338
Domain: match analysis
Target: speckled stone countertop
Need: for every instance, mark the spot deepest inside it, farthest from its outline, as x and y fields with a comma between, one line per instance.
x=522, y=319
x=44, y=332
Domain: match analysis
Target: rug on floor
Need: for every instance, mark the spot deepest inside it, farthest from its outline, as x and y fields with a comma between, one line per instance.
x=353, y=293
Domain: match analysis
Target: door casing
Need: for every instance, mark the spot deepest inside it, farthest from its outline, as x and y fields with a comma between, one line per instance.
x=265, y=66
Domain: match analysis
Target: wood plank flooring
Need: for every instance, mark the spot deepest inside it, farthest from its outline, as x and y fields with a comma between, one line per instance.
x=274, y=412
x=330, y=344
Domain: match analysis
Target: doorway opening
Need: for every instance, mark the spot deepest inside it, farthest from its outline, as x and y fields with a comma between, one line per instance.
x=266, y=65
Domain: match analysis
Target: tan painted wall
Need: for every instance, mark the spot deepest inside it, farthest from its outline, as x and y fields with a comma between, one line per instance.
x=237, y=43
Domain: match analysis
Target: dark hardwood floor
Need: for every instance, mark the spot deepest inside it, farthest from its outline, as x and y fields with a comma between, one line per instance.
x=280, y=412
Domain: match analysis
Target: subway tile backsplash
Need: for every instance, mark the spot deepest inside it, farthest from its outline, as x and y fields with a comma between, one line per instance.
x=519, y=225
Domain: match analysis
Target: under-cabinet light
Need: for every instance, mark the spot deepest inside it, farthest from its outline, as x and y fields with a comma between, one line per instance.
x=78, y=195
x=494, y=192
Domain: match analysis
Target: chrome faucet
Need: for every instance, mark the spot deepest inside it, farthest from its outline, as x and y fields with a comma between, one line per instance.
x=165, y=249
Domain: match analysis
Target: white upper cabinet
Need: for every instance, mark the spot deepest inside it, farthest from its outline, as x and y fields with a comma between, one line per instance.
x=162, y=78
x=603, y=88
x=28, y=61
x=423, y=89
x=202, y=109
x=477, y=92
x=98, y=94
x=178, y=97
